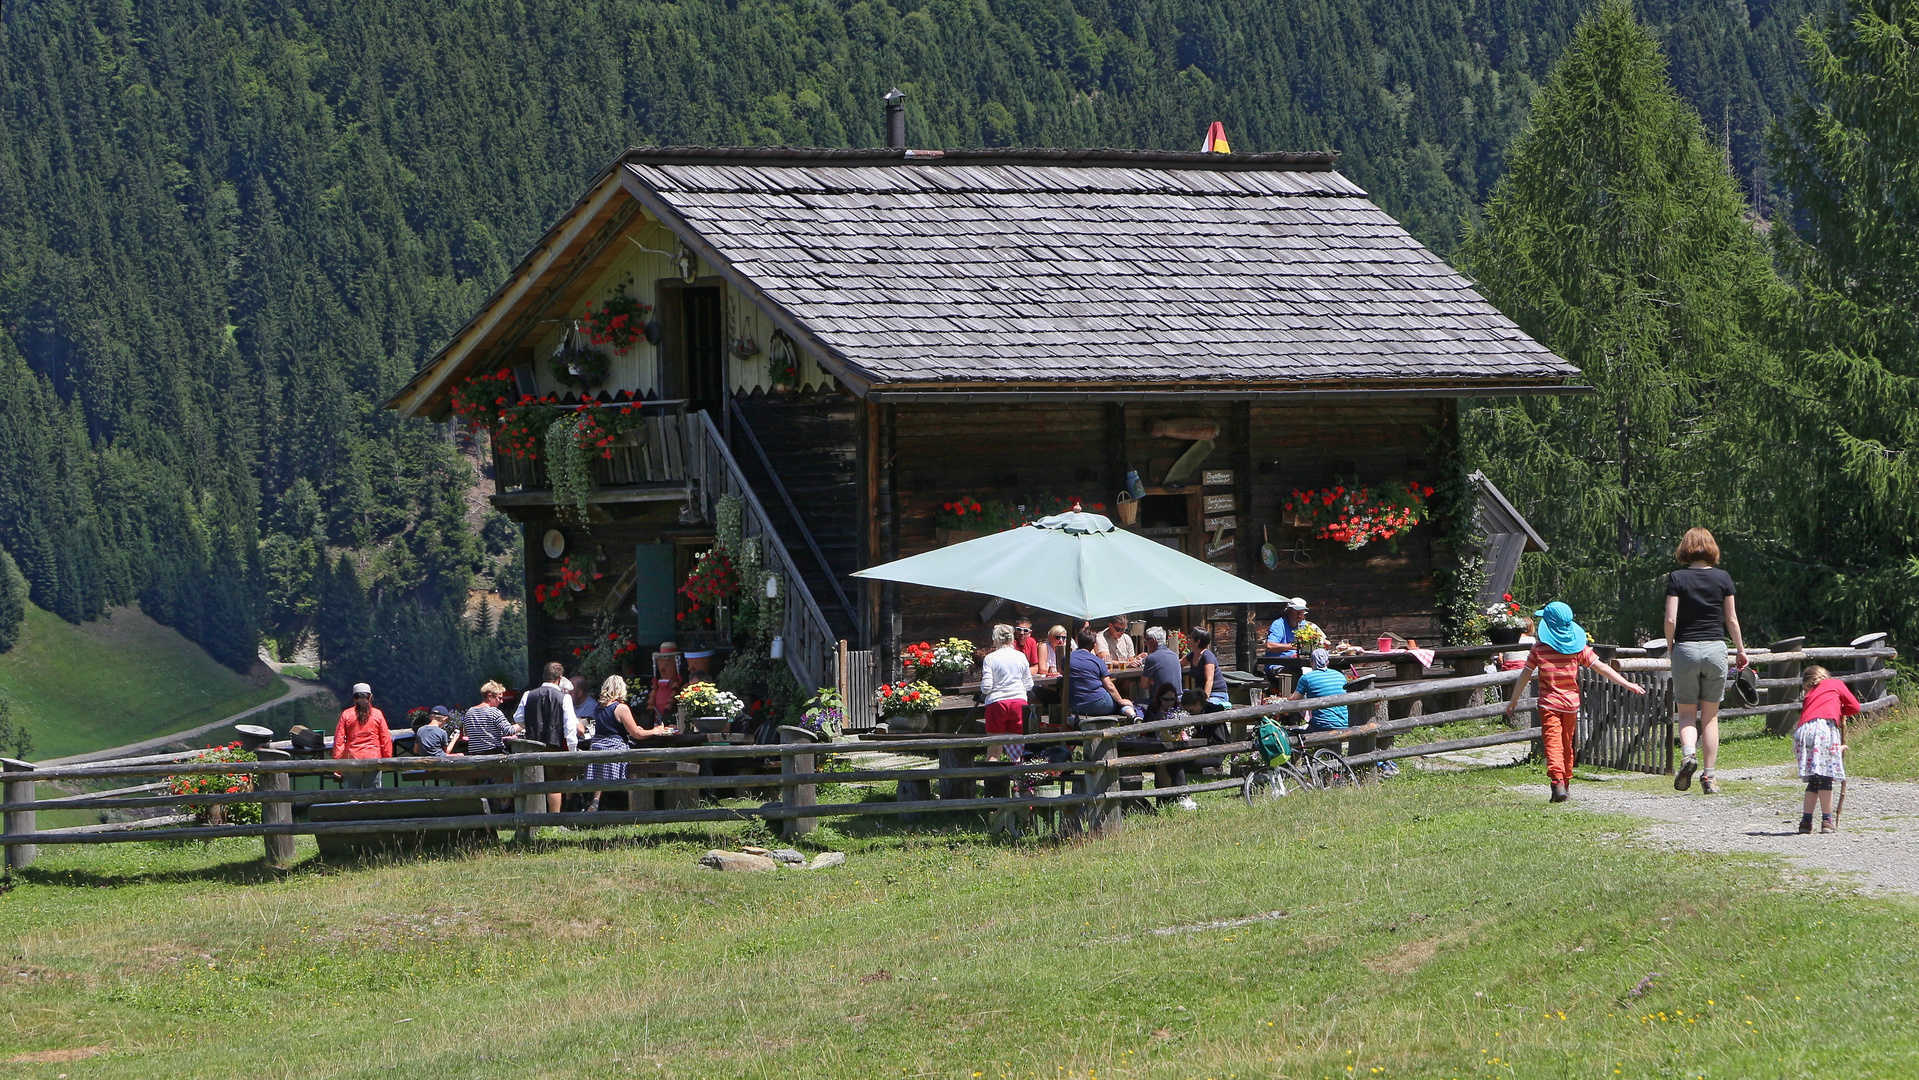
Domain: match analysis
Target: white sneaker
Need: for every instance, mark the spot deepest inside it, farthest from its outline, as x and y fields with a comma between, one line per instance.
x=1186, y=803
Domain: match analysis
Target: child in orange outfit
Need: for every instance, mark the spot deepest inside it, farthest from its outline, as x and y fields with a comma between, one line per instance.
x=1560, y=653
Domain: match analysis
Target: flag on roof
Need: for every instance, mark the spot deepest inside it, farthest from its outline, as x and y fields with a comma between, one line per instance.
x=1216, y=139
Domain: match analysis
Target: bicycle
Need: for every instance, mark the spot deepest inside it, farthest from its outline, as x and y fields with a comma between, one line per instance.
x=1323, y=768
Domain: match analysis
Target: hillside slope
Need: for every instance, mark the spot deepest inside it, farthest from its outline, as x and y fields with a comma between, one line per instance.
x=117, y=680
x=228, y=231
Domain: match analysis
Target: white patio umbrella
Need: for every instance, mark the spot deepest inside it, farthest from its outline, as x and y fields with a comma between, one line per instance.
x=1077, y=564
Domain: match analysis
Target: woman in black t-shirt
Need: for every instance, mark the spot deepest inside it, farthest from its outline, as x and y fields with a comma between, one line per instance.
x=1700, y=613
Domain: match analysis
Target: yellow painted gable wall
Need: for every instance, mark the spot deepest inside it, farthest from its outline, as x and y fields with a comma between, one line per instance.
x=649, y=256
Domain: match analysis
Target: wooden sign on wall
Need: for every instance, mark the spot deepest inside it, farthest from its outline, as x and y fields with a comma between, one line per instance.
x=1215, y=524
x=1217, y=478
x=1219, y=504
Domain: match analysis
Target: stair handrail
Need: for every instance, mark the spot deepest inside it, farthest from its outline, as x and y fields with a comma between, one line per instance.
x=779, y=488
x=805, y=634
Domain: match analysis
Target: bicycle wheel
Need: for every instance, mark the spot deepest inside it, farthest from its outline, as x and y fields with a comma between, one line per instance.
x=1264, y=785
x=1331, y=771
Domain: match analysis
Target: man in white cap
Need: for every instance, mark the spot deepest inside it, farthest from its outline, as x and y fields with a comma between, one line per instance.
x=1279, y=636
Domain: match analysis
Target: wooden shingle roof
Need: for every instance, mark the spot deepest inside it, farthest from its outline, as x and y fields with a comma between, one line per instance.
x=1054, y=269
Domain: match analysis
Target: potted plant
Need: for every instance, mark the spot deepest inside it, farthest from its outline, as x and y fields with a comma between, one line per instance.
x=219, y=784
x=1505, y=621
x=825, y=716
x=906, y=705
x=943, y=663
x=1307, y=636
x=707, y=708
x=1356, y=517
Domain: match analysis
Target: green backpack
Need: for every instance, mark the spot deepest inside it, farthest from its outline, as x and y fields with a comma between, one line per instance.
x=1272, y=744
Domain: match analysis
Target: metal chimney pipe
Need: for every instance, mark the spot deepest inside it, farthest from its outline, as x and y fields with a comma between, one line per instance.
x=895, y=119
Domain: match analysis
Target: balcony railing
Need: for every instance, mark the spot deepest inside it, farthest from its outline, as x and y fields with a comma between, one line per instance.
x=653, y=454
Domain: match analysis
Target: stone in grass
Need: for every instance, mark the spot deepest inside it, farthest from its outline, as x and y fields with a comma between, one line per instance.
x=787, y=855
x=827, y=859
x=736, y=860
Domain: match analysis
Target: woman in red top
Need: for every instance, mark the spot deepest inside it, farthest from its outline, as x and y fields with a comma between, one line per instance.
x=1820, y=743
x=362, y=734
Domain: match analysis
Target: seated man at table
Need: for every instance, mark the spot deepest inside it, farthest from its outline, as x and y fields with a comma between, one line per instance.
x=1161, y=666
x=1114, y=644
x=1322, y=681
x=1279, y=636
x=1094, y=693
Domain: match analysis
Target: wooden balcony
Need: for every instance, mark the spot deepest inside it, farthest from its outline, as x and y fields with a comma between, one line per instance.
x=648, y=465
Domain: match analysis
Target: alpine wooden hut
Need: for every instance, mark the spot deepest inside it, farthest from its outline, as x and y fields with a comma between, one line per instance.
x=860, y=341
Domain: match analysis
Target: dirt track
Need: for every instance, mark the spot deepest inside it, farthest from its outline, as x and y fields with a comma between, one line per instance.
x=1877, y=847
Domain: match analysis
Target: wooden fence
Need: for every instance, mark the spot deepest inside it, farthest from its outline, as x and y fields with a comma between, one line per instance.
x=1090, y=792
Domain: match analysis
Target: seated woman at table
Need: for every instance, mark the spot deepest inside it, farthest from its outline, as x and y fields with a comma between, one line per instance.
x=1094, y=693
x=613, y=724
x=1321, y=680
x=1205, y=672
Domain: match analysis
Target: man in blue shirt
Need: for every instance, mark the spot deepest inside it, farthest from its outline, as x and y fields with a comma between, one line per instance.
x=1160, y=665
x=1322, y=681
x=1094, y=693
x=1279, y=636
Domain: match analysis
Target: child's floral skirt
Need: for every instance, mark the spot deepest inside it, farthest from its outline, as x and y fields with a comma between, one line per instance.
x=1816, y=744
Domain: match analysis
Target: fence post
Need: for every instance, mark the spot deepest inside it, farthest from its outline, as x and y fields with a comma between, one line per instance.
x=1874, y=690
x=526, y=774
x=19, y=823
x=797, y=794
x=1101, y=818
x=279, y=847
x=1782, y=723
x=1408, y=670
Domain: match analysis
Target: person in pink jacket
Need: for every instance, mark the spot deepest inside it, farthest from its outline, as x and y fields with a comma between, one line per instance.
x=1819, y=742
x=362, y=734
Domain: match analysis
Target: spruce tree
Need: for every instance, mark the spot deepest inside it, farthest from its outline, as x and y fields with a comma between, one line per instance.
x=13, y=602
x=1848, y=155
x=1618, y=238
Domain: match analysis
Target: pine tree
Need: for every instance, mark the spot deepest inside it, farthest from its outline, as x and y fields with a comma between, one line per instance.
x=13, y=602
x=1848, y=154
x=1618, y=238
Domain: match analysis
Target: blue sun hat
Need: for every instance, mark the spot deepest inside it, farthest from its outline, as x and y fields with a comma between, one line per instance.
x=1557, y=630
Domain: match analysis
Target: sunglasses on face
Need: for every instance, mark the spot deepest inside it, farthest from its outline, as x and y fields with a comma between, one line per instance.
x=1022, y=630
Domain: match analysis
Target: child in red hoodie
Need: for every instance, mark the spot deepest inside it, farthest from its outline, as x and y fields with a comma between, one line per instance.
x=1820, y=743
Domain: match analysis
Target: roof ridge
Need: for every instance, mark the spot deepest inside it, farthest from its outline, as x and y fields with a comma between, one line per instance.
x=1086, y=157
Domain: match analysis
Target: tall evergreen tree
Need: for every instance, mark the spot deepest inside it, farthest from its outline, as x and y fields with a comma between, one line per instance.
x=1849, y=156
x=1618, y=238
x=13, y=601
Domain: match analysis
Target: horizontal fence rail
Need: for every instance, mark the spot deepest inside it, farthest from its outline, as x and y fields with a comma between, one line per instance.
x=1624, y=731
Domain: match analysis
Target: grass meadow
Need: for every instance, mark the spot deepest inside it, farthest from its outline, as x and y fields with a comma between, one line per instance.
x=1440, y=925
x=116, y=680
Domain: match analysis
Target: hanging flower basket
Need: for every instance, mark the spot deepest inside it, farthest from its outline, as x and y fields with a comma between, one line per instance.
x=575, y=363
x=1356, y=517
x=619, y=321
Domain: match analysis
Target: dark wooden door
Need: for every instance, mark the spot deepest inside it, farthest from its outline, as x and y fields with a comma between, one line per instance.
x=694, y=352
x=705, y=351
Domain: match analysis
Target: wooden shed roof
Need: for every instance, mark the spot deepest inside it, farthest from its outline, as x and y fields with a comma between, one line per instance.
x=1055, y=271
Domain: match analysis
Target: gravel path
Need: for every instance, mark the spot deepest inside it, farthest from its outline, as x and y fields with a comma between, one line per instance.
x=1758, y=811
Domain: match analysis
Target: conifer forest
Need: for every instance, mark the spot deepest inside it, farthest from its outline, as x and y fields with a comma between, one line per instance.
x=229, y=230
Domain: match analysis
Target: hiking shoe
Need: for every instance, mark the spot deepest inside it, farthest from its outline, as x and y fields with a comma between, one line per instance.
x=1828, y=824
x=1560, y=794
x=1683, y=779
x=1805, y=824
x=1389, y=768
x=1186, y=802
x=1708, y=785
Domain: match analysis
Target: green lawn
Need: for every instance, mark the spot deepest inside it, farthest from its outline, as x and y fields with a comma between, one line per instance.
x=115, y=681
x=1436, y=926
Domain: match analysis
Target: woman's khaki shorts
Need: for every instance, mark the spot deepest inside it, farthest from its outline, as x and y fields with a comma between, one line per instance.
x=1698, y=672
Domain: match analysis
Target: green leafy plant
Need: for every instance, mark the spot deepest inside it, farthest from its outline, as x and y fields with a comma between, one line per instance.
x=825, y=713
x=567, y=468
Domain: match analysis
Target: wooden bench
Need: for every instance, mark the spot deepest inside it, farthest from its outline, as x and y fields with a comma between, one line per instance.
x=351, y=844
